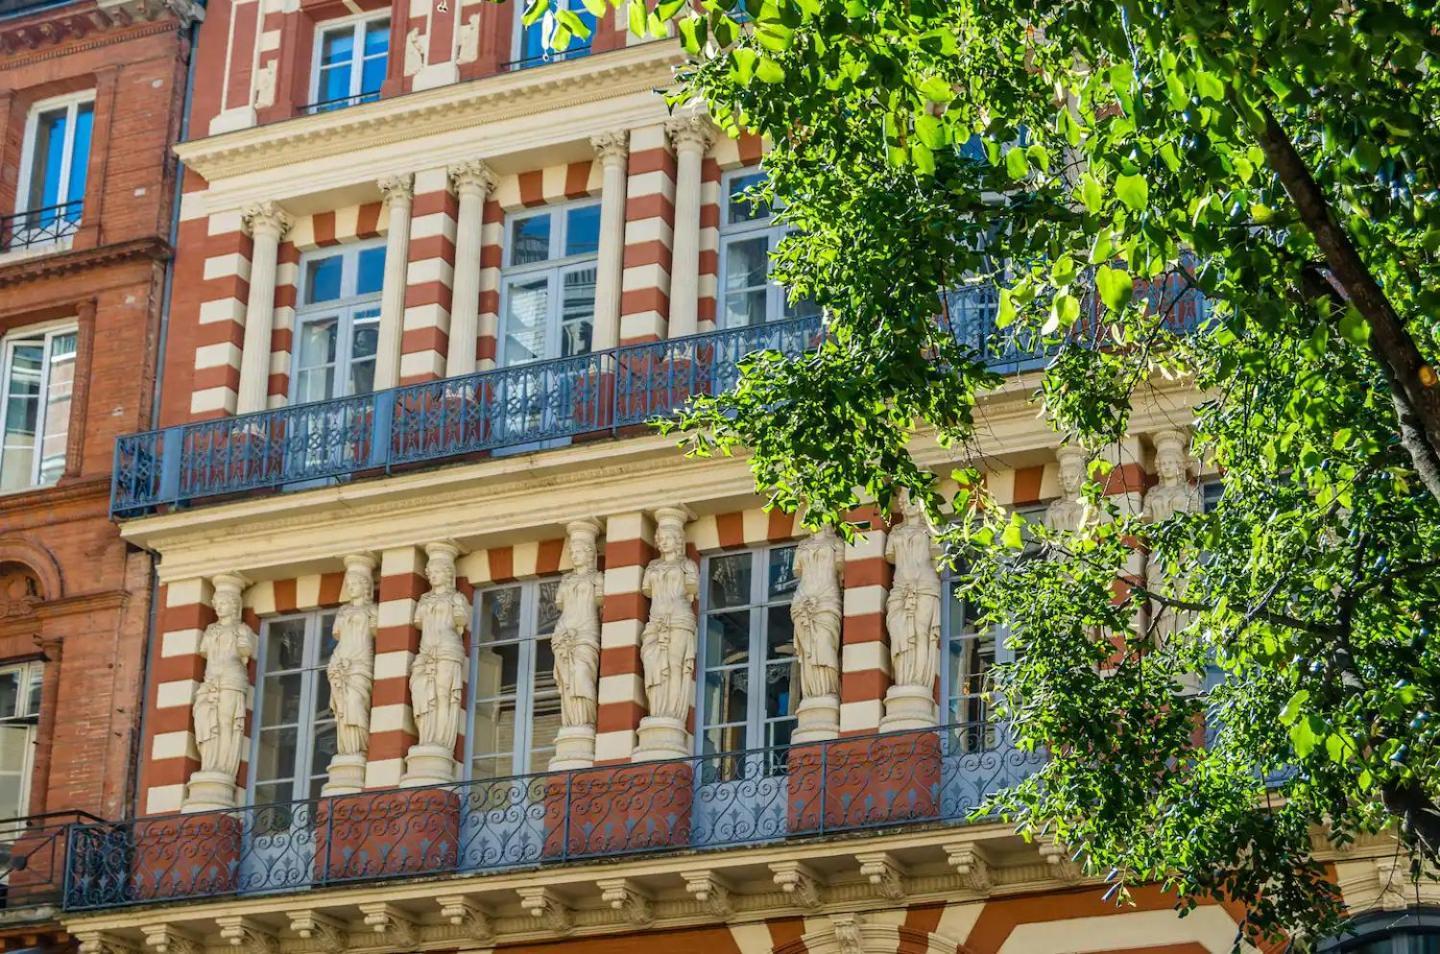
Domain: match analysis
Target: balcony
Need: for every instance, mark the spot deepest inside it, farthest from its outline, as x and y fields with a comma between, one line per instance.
x=32, y=866
x=789, y=794
x=38, y=227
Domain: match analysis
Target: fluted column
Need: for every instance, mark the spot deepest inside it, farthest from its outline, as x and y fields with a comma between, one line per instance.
x=613, y=151
x=691, y=136
x=472, y=181
x=399, y=193
x=267, y=224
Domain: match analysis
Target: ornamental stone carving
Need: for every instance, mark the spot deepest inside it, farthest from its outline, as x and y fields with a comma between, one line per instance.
x=1069, y=512
x=691, y=130
x=437, y=676
x=576, y=647
x=414, y=52
x=472, y=175
x=351, y=673
x=611, y=147
x=667, y=645
x=912, y=620
x=397, y=188
x=227, y=646
x=266, y=219
x=815, y=611
x=1173, y=494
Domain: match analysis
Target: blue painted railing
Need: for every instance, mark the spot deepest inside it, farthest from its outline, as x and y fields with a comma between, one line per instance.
x=528, y=406
x=928, y=776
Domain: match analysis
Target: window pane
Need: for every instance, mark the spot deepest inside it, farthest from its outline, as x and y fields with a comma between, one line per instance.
x=284, y=645
x=497, y=670
x=80, y=152
x=318, y=341
x=744, y=309
x=46, y=158
x=364, y=336
x=546, y=610
x=725, y=696
x=275, y=759
x=493, y=734
x=337, y=46
x=747, y=263
x=324, y=747
x=779, y=633
x=530, y=240
x=500, y=615
x=22, y=409
x=740, y=208
x=334, y=83
x=727, y=638
x=723, y=738
x=545, y=723
x=60, y=384
x=582, y=231
x=527, y=307
x=782, y=572
x=577, y=312
x=377, y=37
x=10, y=693
x=778, y=700
x=37, y=682
x=730, y=580
x=281, y=703
x=322, y=279
x=370, y=277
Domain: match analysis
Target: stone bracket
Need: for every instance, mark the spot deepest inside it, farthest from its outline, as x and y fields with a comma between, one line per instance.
x=546, y=907
x=247, y=935
x=798, y=882
x=625, y=896
x=972, y=863
x=165, y=939
x=329, y=933
x=467, y=915
x=884, y=873
x=394, y=926
x=1062, y=866
x=706, y=887
x=103, y=942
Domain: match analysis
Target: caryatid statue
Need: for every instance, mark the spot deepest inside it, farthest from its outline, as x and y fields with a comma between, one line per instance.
x=1069, y=512
x=227, y=646
x=912, y=610
x=437, y=676
x=576, y=640
x=351, y=673
x=667, y=645
x=815, y=612
x=1173, y=494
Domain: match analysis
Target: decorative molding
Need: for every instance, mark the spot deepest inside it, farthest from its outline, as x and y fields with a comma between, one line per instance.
x=545, y=906
x=103, y=942
x=708, y=888
x=611, y=147
x=76, y=28
x=167, y=939
x=848, y=936
x=16, y=271
x=972, y=863
x=468, y=916
x=266, y=216
x=884, y=873
x=625, y=896
x=691, y=129
x=472, y=174
x=392, y=925
x=798, y=881
x=247, y=935
x=1063, y=867
x=328, y=933
x=397, y=187
x=450, y=108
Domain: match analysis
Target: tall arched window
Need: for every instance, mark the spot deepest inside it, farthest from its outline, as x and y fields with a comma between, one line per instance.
x=1416, y=931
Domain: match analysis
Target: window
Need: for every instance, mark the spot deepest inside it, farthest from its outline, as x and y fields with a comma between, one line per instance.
x=747, y=653
x=338, y=323
x=37, y=378
x=294, y=728
x=350, y=58
x=533, y=43
x=515, y=706
x=1415, y=931
x=747, y=237
x=19, y=714
x=969, y=654
x=54, y=161
x=548, y=289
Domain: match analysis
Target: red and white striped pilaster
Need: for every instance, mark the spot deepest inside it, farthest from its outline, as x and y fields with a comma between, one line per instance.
x=629, y=546
x=220, y=329
x=430, y=278
x=864, y=648
x=170, y=754
x=649, y=215
x=392, y=721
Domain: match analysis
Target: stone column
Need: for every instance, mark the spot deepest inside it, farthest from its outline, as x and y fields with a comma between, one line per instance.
x=399, y=193
x=473, y=181
x=691, y=136
x=267, y=224
x=613, y=151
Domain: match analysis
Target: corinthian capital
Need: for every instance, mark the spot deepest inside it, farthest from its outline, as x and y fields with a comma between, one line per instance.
x=266, y=217
x=611, y=147
x=400, y=187
x=472, y=174
x=691, y=129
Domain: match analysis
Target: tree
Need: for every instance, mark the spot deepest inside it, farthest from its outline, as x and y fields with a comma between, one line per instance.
x=1278, y=156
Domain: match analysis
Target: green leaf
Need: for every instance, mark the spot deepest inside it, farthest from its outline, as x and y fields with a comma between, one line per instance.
x=930, y=130
x=1291, y=712
x=1013, y=538
x=1305, y=735
x=1353, y=327
x=1005, y=313
x=534, y=12
x=769, y=71
x=1133, y=191
x=597, y=8
x=1115, y=286
x=1337, y=747
x=744, y=59
x=1208, y=85
x=1064, y=311
x=1016, y=165
x=923, y=157
x=1091, y=193
x=936, y=90
x=637, y=15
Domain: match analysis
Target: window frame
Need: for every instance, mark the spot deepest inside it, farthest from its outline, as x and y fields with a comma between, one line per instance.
x=358, y=23
x=554, y=269
x=31, y=673
x=311, y=672
x=526, y=643
x=342, y=308
x=777, y=296
x=47, y=332
x=757, y=723
x=72, y=103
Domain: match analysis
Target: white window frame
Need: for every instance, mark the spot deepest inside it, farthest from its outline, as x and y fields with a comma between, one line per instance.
x=47, y=332
x=517, y=39
x=777, y=295
x=757, y=659
x=344, y=309
x=72, y=103
x=307, y=726
x=554, y=269
x=526, y=644
x=358, y=24
x=30, y=673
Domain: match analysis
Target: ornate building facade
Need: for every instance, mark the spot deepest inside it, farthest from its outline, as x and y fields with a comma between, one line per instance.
x=452, y=652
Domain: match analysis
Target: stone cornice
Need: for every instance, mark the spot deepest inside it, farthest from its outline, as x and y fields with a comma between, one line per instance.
x=38, y=267
x=47, y=498
x=460, y=106
x=61, y=31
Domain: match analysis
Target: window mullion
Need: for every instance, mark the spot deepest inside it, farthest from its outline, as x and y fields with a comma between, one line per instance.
x=755, y=702
x=525, y=679
x=357, y=56
x=41, y=407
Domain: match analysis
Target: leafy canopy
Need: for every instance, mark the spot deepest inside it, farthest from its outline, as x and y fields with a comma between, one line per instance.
x=1279, y=157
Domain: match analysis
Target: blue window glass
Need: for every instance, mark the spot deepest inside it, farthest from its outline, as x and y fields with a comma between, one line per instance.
x=322, y=281
x=371, y=271
x=536, y=39
x=79, y=157
x=57, y=153
x=582, y=231
x=351, y=63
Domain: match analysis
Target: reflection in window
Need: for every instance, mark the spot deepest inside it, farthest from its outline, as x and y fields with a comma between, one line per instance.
x=19, y=714
x=515, y=705
x=548, y=289
x=54, y=163
x=350, y=60
x=748, y=236
x=337, y=323
x=534, y=44
x=37, y=379
x=294, y=728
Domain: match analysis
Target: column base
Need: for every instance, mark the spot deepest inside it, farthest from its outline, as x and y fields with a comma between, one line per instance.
x=208, y=792
x=817, y=720
x=574, y=748
x=908, y=708
x=428, y=765
x=347, y=775
x=661, y=738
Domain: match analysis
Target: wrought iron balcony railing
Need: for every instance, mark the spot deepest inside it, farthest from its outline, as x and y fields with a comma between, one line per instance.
x=40, y=226
x=340, y=102
x=771, y=795
x=32, y=865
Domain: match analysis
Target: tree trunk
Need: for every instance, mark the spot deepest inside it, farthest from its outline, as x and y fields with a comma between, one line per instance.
x=1414, y=384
